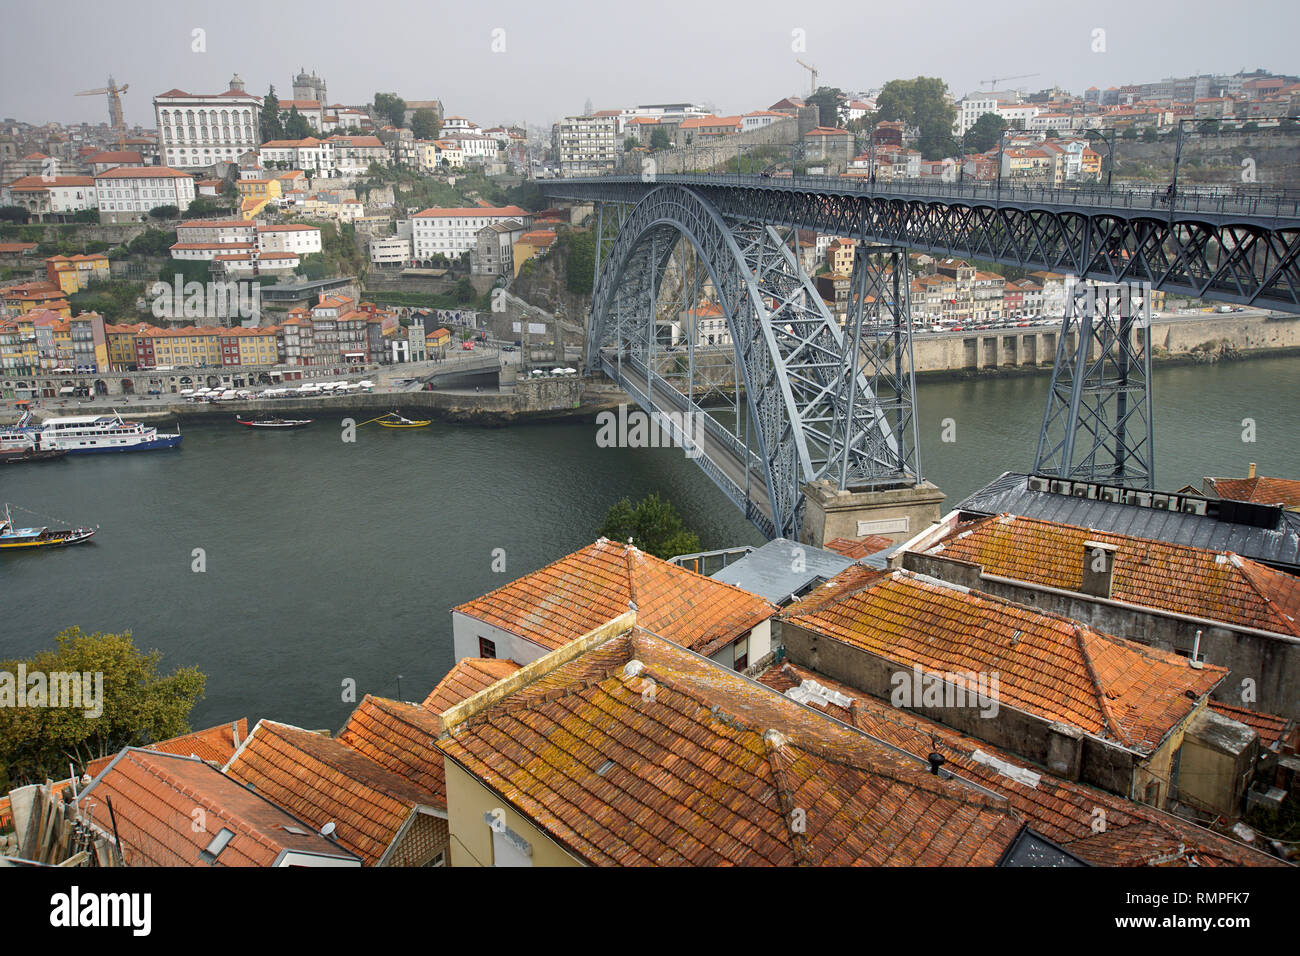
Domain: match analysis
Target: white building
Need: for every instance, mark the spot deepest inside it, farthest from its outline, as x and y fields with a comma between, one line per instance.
x=474, y=146
x=971, y=109
x=297, y=238
x=452, y=232
x=311, y=155
x=201, y=129
x=53, y=195
x=760, y=118
x=353, y=155
x=458, y=124
x=390, y=251
x=128, y=193
x=217, y=230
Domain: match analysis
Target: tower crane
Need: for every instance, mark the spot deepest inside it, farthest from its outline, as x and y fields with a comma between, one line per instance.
x=993, y=83
x=114, y=107
x=811, y=69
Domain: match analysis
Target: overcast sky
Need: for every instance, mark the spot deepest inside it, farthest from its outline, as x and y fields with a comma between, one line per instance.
x=733, y=54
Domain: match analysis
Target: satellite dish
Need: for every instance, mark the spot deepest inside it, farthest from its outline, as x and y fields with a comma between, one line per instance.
x=328, y=829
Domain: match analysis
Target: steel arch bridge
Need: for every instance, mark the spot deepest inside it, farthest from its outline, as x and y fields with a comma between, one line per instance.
x=788, y=409
x=809, y=401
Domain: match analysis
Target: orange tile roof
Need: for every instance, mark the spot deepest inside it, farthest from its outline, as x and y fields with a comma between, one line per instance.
x=1219, y=586
x=1268, y=491
x=154, y=798
x=1061, y=810
x=710, y=770
x=467, y=677
x=142, y=172
x=1047, y=665
x=324, y=781
x=1275, y=732
x=438, y=212
x=213, y=744
x=400, y=737
x=596, y=584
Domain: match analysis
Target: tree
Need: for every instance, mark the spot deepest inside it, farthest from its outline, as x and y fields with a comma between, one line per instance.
x=1149, y=135
x=984, y=134
x=313, y=266
x=296, y=125
x=1052, y=134
x=164, y=212
x=580, y=248
x=653, y=525
x=270, y=122
x=659, y=140
x=1208, y=126
x=391, y=107
x=137, y=705
x=424, y=124
x=921, y=103
x=14, y=214
x=464, y=290
x=1129, y=133
x=630, y=144
x=829, y=102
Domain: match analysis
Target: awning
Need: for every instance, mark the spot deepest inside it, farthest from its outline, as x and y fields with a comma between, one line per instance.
x=67, y=390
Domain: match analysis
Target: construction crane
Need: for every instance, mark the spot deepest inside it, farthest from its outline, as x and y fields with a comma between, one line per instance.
x=114, y=107
x=811, y=69
x=993, y=83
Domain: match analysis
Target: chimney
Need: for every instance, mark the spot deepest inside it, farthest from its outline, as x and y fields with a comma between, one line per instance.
x=936, y=761
x=1252, y=470
x=1098, y=565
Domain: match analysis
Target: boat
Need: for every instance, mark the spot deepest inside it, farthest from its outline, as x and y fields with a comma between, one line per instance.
x=15, y=538
x=274, y=422
x=11, y=455
x=22, y=442
x=394, y=420
x=85, y=434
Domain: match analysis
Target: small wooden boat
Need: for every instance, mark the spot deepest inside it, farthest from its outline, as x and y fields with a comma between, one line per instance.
x=274, y=422
x=394, y=420
x=12, y=538
x=10, y=456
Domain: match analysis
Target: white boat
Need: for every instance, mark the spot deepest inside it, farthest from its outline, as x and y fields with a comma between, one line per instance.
x=84, y=434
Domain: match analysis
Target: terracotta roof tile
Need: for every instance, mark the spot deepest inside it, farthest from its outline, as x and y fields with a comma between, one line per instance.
x=860, y=547
x=155, y=797
x=400, y=737
x=1064, y=811
x=1268, y=491
x=712, y=770
x=570, y=597
x=1047, y=665
x=213, y=744
x=1216, y=585
x=324, y=781
x=467, y=677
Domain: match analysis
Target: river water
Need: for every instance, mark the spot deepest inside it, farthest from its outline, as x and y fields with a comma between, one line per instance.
x=327, y=561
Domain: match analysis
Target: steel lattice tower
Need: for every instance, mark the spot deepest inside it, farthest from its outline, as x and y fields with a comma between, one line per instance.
x=1098, y=424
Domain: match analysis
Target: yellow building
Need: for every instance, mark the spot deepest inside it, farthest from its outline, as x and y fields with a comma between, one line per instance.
x=35, y=297
x=256, y=346
x=74, y=273
x=530, y=245
x=121, y=344
x=182, y=346
x=256, y=194
x=18, y=354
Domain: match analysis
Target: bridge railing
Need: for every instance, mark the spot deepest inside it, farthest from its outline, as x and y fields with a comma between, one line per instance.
x=1264, y=202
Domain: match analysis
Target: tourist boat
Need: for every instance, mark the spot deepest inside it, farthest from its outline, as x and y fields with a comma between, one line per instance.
x=22, y=442
x=13, y=538
x=84, y=434
x=274, y=422
x=394, y=420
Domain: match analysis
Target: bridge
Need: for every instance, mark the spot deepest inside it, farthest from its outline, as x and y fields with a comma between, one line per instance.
x=700, y=308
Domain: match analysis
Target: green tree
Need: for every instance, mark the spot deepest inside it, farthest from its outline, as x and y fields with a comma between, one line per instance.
x=829, y=101
x=270, y=121
x=659, y=139
x=1129, y=133
x=164, y=212
x=464, y=290
x=424, y=124
x=630, y=144
x=1052, y=134
x=152, y=242
x=983, y=135
x=921, y=103
x=313, y=265
x=14, y=214
x=580, y=248
x=139, y=706
x=1149, y=135
x=652, y=524
x=391, y=107
x=296, y=125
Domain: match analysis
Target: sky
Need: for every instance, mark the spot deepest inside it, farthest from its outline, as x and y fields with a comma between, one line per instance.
x=534, y=62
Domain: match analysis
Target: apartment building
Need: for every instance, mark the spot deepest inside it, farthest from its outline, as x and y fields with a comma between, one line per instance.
x=56, y=195
x=586, y=145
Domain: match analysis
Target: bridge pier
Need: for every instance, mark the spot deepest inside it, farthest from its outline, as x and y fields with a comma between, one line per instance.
x=896, y=513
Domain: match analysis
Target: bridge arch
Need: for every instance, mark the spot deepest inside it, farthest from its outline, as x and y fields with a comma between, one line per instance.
x=787, y=353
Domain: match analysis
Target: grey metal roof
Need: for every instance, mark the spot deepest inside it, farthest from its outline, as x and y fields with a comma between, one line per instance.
x=1278, y=546
x=1033, y=849
x=770, y=571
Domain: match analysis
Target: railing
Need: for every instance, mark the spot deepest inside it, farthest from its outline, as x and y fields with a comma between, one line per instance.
x=1258, y=201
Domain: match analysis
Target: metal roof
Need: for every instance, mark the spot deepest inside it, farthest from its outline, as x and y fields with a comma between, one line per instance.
x=782, y=568
x=1223, y=529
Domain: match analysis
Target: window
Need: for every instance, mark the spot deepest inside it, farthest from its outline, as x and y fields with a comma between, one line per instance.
x=741, y=651
x=486, y=648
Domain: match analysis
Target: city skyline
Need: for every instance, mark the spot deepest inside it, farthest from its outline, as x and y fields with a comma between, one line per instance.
x=486, y=65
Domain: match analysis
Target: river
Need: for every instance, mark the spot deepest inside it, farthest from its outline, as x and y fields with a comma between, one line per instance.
x=328, y=561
